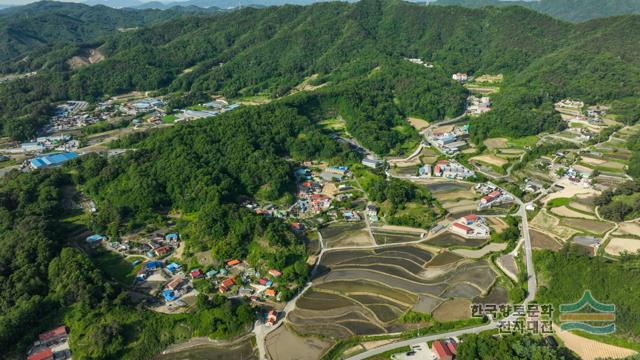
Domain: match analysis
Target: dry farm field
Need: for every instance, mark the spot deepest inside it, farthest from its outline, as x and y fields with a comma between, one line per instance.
x=490, y=159
x=590, y=226
x=418, y=123
x=549, y=224
x=564, y=211
x=540, y=240
x=617, y=246
x=284, y=344
x=496, y=143
x=448, y=239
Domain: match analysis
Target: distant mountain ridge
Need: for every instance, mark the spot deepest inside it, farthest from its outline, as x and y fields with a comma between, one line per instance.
x=30, y=27
x=568, y=10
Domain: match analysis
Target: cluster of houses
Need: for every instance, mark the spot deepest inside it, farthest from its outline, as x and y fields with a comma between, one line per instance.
x=71, y=115
x=593, y=115
x=478, y=105
x=159, y=244
x=210, y=109
x=471, y=226
x=53, y=344
x=311, y=198
x=46, y=143
x=492, y=196
x=237, y=279
x=416, y=61
x=450, y=142
x=579, y=174
x=451, y=169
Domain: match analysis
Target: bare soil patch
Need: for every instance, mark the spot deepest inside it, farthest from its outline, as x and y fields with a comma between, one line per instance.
x=631, y=228
x=617, y=246
x=540, y=240
x=508, y=264
x=453, y=310
x=569, y=213
x=592, y=226
x=588, y=349
x=418, y=123
x=496, y=143
x=490, y=159
x=282, y=343
x=476, y=254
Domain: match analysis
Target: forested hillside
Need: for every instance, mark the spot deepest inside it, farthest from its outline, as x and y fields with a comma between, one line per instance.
x=270, y=51
x=568, y=10
x=48, y=23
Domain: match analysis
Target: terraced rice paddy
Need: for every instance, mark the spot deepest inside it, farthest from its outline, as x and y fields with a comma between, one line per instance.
x=591, y=226
x=448, y=239
x=363, y=292
x=346, y=234
x=393, y=237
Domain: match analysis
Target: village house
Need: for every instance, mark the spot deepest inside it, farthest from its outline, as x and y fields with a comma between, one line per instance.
x=372, y=163
x=451, y=170
x=460, y=77
x=471, y=226
x=226, y=285
x=175, y=283
x=162, y=251
x=51, y=345
x=444, y=350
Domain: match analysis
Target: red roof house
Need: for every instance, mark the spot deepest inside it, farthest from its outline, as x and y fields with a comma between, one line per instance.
x=460, y=228
x=174, y=284
x=233, y=262
x=442, y=350
x=226, y=284
x=262, y=281
x=270, y=292
x=44, y=354
x=196, y=273
x=163, y=250
x=453, y=347
x=471, y=218
x=53, y=334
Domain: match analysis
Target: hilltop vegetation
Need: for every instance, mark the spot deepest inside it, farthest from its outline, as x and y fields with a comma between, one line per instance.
x=48, y=24
x=350, y=47
x=568, y=10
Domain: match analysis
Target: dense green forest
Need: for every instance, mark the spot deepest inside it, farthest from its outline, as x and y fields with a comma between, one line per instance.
x=486, y=346
x=269, y=51
x=565, y=275
x=48, y=24
x=621, y=203
x=44, y=282
x=568, y=10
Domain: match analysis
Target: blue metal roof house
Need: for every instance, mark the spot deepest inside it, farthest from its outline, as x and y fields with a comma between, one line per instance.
x=169, y=295
x=152, y=265
x=96, y=238
x=50, y=160
x=173, y=268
